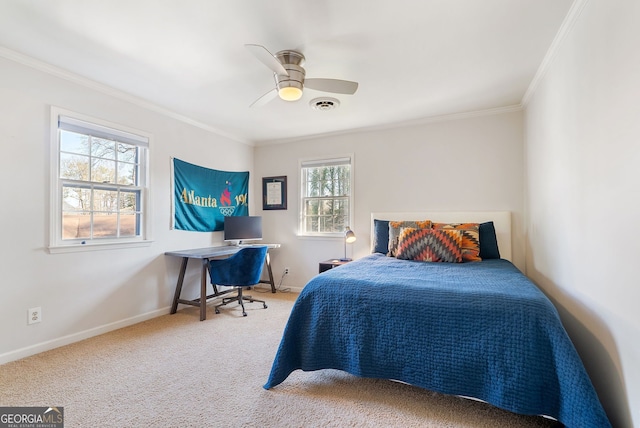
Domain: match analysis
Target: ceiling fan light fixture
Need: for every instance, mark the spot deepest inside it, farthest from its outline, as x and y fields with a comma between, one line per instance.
x=290, y=93
x=289, y=76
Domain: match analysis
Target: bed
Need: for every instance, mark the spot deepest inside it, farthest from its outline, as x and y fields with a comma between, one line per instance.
x=479, y=330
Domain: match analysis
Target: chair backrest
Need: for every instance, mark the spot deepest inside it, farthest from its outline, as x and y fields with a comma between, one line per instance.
x=242, y=269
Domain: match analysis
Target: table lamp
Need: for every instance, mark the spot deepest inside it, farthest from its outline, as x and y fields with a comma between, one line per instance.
x=349, y=238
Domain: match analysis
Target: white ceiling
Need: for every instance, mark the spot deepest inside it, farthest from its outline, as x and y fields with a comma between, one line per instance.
x=413, y=59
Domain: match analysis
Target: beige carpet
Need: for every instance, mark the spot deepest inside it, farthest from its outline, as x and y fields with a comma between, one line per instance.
x=175, y=371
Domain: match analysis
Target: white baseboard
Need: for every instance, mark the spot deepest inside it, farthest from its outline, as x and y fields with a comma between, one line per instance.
x=86, y=334
x=77, y=337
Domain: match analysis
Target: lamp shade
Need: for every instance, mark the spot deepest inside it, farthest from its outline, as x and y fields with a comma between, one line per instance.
x=349, y=238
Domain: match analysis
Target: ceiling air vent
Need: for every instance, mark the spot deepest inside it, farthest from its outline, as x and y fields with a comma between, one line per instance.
x=324, y=103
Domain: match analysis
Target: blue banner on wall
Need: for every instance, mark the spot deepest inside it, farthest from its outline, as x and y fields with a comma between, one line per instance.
x=203, y=197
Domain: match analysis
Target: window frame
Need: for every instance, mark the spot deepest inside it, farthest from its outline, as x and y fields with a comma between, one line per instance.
x=301, y=197
x=102, y=128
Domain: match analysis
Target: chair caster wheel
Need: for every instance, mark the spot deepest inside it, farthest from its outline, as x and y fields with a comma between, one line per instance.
x=217, y=311
x=265, y=306
x=244, y=314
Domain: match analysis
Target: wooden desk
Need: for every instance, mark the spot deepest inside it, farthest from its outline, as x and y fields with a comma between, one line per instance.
x=204, y=255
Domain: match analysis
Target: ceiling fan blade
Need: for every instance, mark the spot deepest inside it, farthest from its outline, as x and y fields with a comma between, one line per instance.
x=267, y=59
x=264, y=99
x=332, y=85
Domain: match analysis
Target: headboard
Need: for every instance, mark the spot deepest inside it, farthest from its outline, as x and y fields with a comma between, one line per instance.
x=501, y=222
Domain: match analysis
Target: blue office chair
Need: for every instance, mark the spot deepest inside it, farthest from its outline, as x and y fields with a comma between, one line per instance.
x=241, y=270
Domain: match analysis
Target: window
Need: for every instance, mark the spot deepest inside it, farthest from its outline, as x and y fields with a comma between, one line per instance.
x=326, y=196
x=99, y=183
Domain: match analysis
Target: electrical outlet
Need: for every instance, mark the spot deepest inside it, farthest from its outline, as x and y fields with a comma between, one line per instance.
x=35, y=315
x=286, y=271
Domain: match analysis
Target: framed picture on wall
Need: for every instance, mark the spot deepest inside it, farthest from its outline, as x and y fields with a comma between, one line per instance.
x=274, y=193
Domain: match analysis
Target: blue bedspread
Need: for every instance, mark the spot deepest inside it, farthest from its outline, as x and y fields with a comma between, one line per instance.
x=480, y=329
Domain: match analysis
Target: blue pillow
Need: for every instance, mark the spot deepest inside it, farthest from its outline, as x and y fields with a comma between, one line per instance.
x=488, y=241
x=380, y=236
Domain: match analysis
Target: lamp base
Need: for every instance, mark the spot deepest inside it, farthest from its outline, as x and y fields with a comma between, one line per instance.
x=346, y=260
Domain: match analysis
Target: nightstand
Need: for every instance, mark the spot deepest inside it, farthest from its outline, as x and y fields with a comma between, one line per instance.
x=331, y=263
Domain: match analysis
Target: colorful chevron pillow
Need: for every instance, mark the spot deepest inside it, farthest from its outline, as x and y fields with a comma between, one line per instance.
x=394, y=232
x=430, y=245
x=470, y=239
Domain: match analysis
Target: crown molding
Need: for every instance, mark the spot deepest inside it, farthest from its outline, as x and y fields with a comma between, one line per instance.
x=397, y=125
x=566, y=27
x=108, y=90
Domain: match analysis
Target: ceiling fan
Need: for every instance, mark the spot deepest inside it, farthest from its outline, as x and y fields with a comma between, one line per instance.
x=290, y=76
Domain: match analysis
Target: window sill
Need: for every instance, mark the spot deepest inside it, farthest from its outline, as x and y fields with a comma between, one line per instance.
x=327, y=236
x=76, y=248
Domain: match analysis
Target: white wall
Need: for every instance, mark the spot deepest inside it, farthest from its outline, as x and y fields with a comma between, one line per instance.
x=472, y=164
x=582, y=161
x=86, y=293
x=582, y=196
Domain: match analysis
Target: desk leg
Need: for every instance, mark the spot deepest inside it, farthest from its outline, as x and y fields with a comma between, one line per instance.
x=176, y=296
x=267, y=261
x=203, y=290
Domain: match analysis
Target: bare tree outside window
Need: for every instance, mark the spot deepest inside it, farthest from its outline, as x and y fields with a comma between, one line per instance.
x=99, y=177
x=326, y=196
